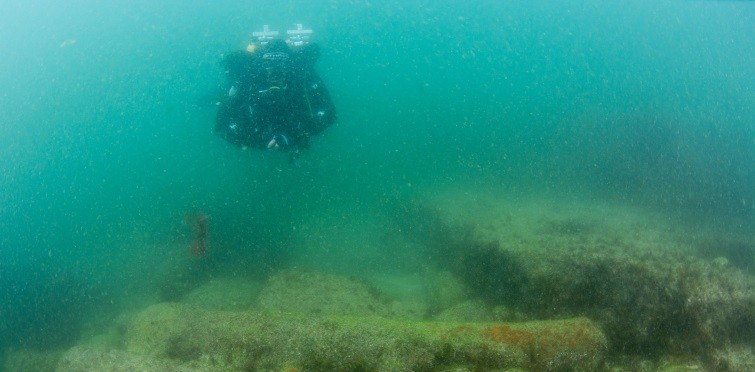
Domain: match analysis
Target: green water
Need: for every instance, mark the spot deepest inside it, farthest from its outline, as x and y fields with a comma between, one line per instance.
x=106, y=142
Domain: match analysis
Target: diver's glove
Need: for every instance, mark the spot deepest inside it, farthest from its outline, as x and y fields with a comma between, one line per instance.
x=283, y=143
x=279, y=141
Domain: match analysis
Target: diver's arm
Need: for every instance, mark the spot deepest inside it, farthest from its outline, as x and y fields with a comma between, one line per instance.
x=308, y=54
x=235, y=65
x=321, y=110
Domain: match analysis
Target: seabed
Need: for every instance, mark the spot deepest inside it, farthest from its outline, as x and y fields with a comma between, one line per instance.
x=498, y=285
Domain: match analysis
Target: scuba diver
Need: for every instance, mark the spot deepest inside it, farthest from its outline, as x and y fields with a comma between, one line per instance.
x=275, y=99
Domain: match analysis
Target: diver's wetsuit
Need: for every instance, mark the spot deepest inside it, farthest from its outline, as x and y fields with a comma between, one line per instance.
x=274, y=94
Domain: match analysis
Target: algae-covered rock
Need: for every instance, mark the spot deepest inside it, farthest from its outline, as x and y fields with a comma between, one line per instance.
x=468, y=311
x=318, y=293
x=478, y=311
x=31, y=360
x=409, y=309
x=734, y=358
x=87, y=359
x=257, y=341
x=407, y=292
x=444, y=290
x=225, y=294
x=635, y=273
x=163, y=322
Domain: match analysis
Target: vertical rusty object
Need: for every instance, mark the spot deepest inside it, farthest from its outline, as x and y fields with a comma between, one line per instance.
x=200, y=224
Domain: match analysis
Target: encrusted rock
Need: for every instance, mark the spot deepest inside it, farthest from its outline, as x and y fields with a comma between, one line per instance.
x=256, y=341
